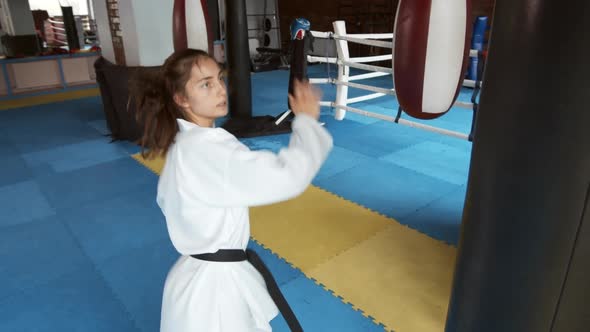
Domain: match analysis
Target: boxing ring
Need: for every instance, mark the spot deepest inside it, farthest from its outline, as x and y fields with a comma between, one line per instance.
x=344, y=80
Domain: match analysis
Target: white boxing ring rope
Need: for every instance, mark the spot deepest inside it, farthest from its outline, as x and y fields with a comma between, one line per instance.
x=343, y=82
x=404, y=122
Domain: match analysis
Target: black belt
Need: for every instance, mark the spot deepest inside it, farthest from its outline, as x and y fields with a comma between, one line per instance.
x=237, y=255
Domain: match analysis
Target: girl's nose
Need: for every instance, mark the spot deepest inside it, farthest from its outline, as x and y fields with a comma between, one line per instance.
x=222, y=87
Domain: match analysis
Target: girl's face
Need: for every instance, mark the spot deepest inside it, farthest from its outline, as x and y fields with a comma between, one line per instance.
x=205, y=97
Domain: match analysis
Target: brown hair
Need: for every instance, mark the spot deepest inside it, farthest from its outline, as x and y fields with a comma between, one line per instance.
x=153, y=93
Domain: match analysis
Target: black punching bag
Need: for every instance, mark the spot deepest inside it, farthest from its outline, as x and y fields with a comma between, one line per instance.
x=524, y=251
x=238, y=60
x=241, y=122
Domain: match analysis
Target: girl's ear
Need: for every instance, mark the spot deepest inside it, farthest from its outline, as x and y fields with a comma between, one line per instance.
x=180, y=100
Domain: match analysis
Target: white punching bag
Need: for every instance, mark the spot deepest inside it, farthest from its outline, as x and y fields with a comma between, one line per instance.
x=191, y=25
x=430, y=51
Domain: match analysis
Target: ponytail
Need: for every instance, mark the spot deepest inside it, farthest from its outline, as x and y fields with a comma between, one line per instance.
x=155, y=113
x=152, y=91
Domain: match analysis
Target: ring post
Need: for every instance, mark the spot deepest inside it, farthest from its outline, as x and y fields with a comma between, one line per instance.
x=343, y=70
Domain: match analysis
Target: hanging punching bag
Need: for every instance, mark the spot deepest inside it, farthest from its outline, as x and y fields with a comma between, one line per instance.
x=430, y=53
x=523, y=256
x=191, y=26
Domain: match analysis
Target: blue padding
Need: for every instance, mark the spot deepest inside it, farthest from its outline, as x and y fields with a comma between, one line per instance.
x=47, y=129
x=374, y=140
x=434, y=159
x=35, y=254
x=95, y=183
x=343, y=128
x=75, y=156
x=14, y=168
x=23, y=202
x=442, y=218
x=319, y=310
x=389, y=189
x=108, y=227
x=130, y=147
x=77, y=301
x=39, y=137
x=280, y=269
x=100, y=126
x=137, y=279
x=339, y=160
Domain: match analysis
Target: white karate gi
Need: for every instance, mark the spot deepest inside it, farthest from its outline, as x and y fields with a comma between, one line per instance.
x=207, y=184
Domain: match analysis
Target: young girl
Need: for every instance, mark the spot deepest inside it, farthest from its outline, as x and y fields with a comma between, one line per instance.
x=207, y=184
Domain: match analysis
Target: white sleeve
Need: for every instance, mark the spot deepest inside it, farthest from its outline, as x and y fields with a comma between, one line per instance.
x=250, y=178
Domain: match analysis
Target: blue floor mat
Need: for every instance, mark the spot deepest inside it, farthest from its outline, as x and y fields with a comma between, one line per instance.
x=319, y=310
x=377, y=139
x=77, y=301
x=130, y=147
x=54, y=124
x=440, y=219
x=23, y=202
x=47, y=136
x=434, y=159
x=280, y=269
x=386, y=188
x=53, y=113
x=340, y=160
x=75, y=156
x=84, y=109
x=36, y=253
x=137, y=279
x=14, y=167
x=96, y=183
x=14, y=170
x=109, y=227
x=340, y=129
x=100, y=126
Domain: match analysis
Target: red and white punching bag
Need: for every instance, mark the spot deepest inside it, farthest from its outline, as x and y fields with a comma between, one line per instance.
x=191, y=27
x=430, y=54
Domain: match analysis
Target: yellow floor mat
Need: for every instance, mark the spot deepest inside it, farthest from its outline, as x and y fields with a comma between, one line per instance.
x=48, y=98
x=314, y=227
x=400, y=277
x=155, y=165
x=396, y=275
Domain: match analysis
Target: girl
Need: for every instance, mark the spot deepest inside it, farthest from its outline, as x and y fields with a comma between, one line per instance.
x=206, y=186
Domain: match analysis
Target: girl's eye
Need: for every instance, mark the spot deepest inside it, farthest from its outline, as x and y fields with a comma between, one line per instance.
x=205, y=85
